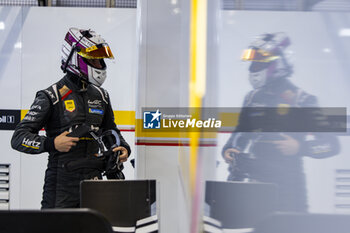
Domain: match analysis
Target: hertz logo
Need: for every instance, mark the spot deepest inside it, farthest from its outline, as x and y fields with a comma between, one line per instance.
x=31, y=143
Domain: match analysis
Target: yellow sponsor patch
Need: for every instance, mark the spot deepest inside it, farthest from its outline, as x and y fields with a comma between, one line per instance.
x=70, y=105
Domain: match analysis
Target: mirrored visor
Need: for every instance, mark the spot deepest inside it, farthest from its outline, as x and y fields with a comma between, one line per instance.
x=99, y=51
x=258, y=55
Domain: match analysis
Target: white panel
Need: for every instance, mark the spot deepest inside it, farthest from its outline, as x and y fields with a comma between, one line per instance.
x=4, y=195
x=4, y=185
x=10, y=57
x=163, y=82
x=9, y=156
x=4, y=206
x=162, y=46
x=4, y=177
x=32, y=180
x=161, y=164
x=129, y=171
x=4, y=170
x=10, y=82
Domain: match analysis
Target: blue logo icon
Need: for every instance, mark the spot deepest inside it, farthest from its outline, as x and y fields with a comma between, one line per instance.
x=151, y=120
x=96, y=111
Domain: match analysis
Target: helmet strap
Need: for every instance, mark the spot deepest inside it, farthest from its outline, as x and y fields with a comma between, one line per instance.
x=75, y=48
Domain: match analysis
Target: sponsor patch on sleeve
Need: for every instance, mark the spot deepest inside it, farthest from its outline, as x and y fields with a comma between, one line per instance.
x=31, y=144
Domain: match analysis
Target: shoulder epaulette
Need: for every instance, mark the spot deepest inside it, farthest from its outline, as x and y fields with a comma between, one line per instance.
x=52, y=93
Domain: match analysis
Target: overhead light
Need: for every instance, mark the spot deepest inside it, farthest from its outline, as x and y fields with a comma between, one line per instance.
x=176, y=11
x=2, y=25
x=18, y=45
x=344, y=32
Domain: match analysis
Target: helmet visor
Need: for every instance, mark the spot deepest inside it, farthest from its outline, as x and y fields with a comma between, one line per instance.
x=99, y=51
x=258, y=55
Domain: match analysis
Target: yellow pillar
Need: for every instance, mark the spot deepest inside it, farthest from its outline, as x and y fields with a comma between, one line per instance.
x=198, y=57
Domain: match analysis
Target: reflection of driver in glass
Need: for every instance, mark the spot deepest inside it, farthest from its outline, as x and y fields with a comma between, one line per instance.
x=275, y=157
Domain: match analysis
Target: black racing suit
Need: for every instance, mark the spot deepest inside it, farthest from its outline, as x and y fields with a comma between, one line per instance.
x=255, y=136
x=62, y=107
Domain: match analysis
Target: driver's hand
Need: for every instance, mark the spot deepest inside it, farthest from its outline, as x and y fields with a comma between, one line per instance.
x=227, y=154
x=288, y=145
x=123, y=157
x=63, y=143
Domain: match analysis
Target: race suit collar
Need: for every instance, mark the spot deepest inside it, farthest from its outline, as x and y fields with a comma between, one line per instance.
x=75, y=82
x=279, y=84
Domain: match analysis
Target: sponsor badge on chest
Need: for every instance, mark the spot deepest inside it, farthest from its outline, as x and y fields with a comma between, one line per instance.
x=70, y=105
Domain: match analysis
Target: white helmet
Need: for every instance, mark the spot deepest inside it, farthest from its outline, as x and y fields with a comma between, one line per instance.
x=268, y=60
x=83, y=52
